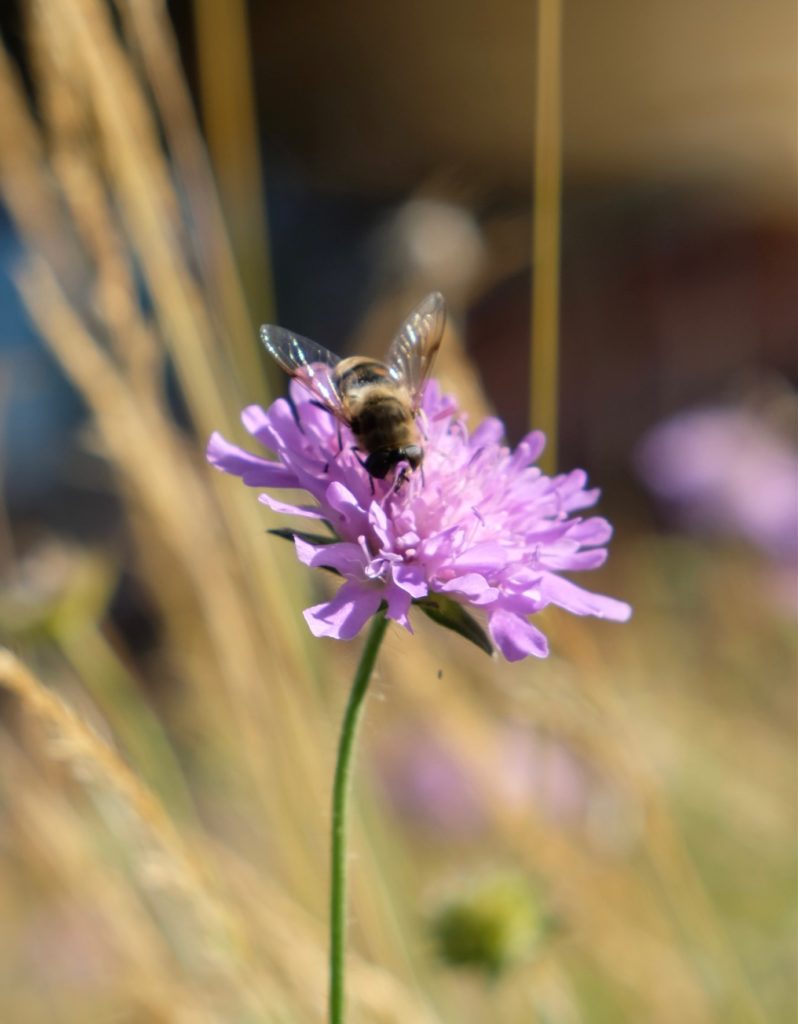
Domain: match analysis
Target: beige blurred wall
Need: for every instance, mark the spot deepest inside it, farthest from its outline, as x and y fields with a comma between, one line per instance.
x=378, y=95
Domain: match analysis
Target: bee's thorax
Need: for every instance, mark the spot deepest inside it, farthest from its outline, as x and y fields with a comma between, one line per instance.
x=357, y=372
x=381, y=419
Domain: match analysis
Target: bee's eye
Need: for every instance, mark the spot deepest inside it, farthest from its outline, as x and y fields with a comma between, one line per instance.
x=414, y=454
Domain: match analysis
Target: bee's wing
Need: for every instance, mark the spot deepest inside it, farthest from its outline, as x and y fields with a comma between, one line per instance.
x=306, y=362
x=414, y=348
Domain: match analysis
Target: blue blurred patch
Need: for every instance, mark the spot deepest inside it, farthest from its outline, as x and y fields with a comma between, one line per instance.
x=39, y=410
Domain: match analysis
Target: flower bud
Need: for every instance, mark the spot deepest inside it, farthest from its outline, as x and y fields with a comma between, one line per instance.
x=495, y=922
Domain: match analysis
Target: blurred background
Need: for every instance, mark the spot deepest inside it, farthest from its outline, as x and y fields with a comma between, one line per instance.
x=605, y=836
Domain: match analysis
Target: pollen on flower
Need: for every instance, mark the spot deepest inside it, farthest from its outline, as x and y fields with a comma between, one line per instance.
x=481, y=525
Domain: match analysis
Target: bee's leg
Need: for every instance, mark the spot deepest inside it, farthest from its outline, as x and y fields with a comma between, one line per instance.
x=340, y=440
x=371, y=478
x=294, y=412
x=363, y=464
x=401, y=477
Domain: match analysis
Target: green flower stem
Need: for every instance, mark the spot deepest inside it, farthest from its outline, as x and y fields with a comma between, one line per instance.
x=339, y=817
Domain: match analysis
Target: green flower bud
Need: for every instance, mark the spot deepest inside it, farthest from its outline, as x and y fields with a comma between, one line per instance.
x=497, y=921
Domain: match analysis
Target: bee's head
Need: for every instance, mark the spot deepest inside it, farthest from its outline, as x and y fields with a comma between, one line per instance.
x=380, y=463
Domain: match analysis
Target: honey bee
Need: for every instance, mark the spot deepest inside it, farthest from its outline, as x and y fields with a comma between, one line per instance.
x=379, y=402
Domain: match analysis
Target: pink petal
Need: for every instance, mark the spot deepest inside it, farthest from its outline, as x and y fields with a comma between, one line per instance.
x=345, y=615
x=275, y=428
x=254, y=471
x=345, y=557
x=523, y=602
x=572, y=560
x=378, y=521
x=571, y=483
x=548, y=532
x=488, y=555
x=308, y=511
x=436, y=543
x=529, y=449
x=489, y=432
x=349, y=515
x=410, y=579
x=591, y=532
x=515, y=637
x=472, y=586
x=399, y=602
x=582, y=499
x=582, y=602
x=255, y=419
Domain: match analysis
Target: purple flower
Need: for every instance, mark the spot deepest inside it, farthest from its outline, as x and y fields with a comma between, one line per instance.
x=478, y=523
x=427, y=782
x=726, y=469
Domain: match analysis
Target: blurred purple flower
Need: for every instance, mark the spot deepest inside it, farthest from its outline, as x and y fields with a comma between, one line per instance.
x=479, y=524
x=725, y=469
x=543, y=770
x=427, y=782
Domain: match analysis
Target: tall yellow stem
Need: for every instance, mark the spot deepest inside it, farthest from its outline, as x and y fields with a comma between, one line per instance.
x=227, y=98
x=544, y=368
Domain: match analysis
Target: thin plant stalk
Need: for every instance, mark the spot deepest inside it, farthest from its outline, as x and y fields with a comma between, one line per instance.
x=341, y=787
x=226, y=82
x=544, y=364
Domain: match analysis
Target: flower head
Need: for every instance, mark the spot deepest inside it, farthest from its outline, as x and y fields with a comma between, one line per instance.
x=478, y=523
